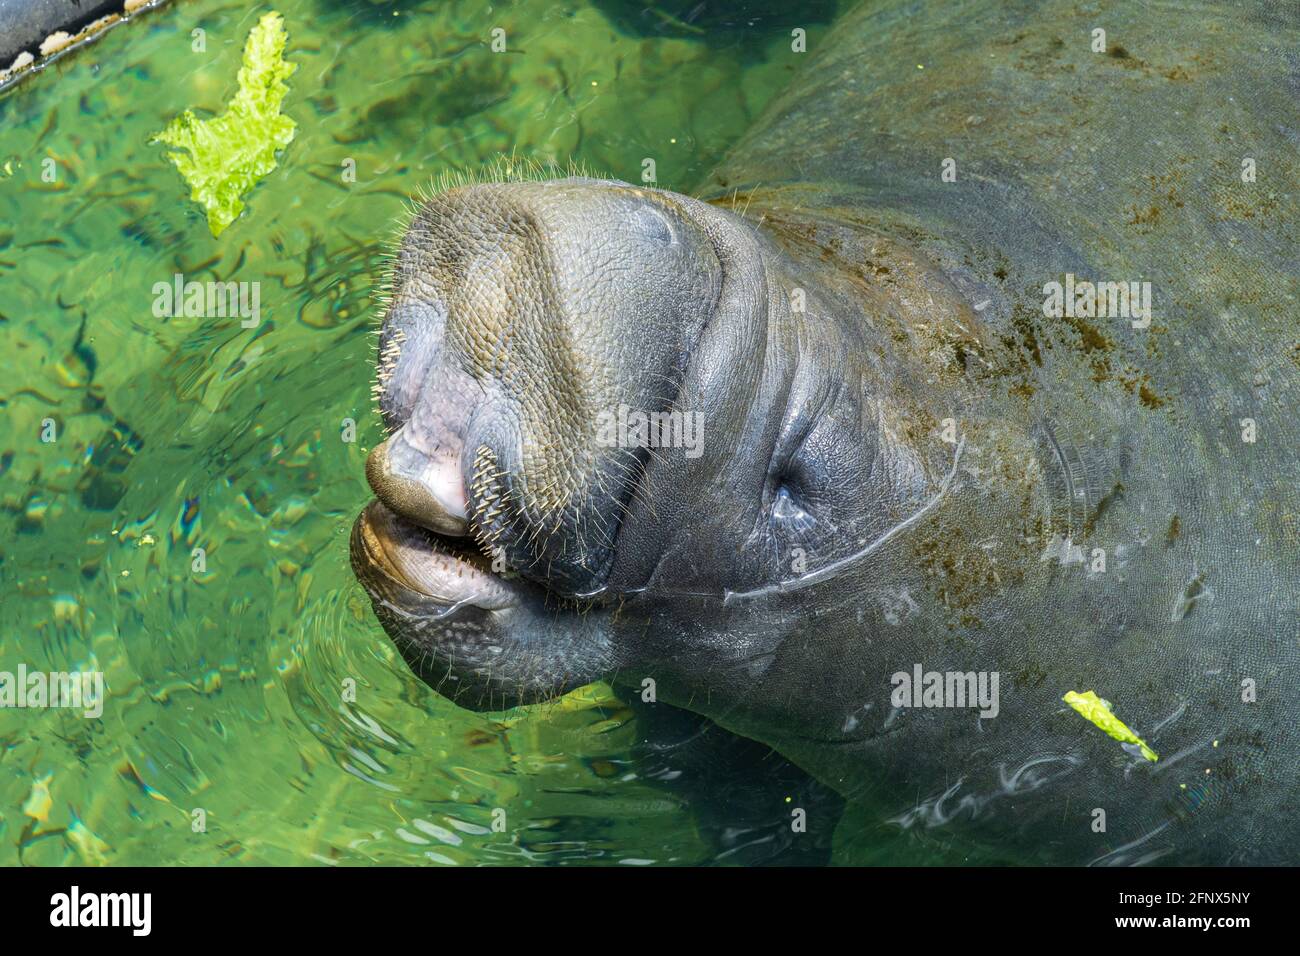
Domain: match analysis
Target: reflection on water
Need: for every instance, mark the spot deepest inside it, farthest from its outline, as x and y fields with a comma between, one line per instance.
x=185, y=530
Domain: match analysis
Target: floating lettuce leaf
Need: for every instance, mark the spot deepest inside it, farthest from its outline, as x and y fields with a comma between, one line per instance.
x=1098, y=711
x=227, y=155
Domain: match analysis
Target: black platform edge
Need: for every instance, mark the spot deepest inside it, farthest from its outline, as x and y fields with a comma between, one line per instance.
x=35, y=33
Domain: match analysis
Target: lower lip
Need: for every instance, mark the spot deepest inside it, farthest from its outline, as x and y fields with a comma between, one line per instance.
x=467, y=578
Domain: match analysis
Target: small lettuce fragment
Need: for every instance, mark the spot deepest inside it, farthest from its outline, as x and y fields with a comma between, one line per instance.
x=224, y=157
x=1096, y=710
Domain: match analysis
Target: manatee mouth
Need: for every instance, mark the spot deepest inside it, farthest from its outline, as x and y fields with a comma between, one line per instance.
x=405, y=563
x=487, y=641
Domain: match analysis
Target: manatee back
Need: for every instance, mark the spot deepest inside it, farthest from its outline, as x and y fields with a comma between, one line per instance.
x=1169, y=157
x=1123, y=163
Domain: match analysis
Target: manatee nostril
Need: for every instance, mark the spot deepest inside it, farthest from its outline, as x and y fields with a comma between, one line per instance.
x=654, y=225
x=425, y=490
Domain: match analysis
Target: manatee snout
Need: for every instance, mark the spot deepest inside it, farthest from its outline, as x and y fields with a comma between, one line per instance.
x=518, y=314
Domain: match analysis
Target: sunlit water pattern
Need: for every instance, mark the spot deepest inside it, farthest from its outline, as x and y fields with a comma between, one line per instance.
x=228, y=691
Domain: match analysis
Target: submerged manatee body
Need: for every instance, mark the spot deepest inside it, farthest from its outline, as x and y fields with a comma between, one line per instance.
x=903, y=460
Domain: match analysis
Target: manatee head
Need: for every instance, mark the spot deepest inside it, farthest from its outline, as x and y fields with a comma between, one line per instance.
x=610, y=435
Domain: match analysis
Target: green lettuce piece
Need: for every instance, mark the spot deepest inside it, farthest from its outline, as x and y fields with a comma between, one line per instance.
x=226, y=156
x=1098, y=711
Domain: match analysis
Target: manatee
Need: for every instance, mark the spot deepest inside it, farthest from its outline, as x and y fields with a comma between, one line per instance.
x=975, y=366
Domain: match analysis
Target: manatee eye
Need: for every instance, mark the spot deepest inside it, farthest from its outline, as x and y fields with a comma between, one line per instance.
x=787, y=510
x=653, y=226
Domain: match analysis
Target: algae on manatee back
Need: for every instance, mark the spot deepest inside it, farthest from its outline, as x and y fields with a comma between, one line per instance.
x=227, y=155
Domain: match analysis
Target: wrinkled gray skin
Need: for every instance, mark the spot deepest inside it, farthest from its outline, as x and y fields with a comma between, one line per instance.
x=828, y=536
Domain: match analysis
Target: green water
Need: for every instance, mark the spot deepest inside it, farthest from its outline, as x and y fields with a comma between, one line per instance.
x=227, y=689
